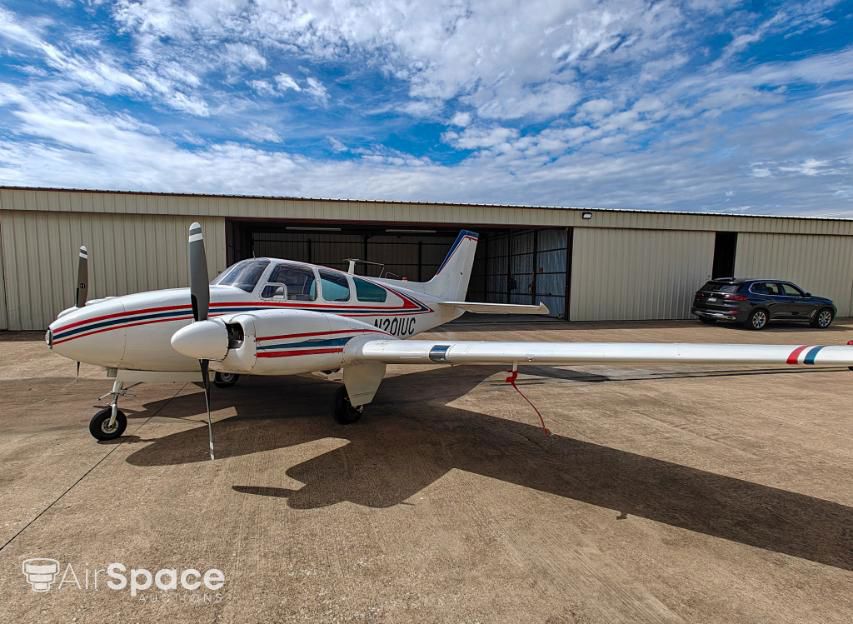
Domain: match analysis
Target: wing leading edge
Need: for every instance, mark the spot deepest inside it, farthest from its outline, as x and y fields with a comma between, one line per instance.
x=481, y=352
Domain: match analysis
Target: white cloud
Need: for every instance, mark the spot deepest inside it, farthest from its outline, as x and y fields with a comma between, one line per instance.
x=594, y=109
x=461, y=119
x=242, y=54
x=336, y=145
x=16, y=31
x=316, y=89
x=443, y=50
x=262, y=87
x=71, y=145
x=608, y=103
x=286, y=82
x=479, y=138
x=260, y=133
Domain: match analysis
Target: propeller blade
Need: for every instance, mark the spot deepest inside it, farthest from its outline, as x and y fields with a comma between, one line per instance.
x=200, y=297
x=199, y=282
x=82, y=293
x=205, y=380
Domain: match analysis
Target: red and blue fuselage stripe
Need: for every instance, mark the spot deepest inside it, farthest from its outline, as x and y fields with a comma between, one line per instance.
x=315, y=345
x=132, y=318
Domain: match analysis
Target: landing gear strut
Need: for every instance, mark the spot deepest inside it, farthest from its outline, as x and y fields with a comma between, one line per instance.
x=110, y=422
x=344, y=411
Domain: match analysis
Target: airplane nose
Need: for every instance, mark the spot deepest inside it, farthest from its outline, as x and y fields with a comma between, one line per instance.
x=92, y=334
x=202, y=340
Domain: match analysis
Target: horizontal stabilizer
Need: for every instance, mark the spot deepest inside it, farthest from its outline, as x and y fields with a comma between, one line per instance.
x=497, y=308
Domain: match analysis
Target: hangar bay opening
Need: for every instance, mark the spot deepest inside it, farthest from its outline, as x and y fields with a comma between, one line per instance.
x=522, y=266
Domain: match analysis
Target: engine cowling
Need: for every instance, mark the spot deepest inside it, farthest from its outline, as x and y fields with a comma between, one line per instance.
x=288, y=342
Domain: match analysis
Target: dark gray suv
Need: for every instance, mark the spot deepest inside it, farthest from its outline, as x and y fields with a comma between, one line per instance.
x=756, y=302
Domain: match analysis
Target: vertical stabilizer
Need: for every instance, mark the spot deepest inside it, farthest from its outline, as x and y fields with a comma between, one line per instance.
x=451, y=280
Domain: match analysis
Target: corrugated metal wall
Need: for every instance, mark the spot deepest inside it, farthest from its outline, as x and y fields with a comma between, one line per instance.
x=127, y=253
x=620, y=274
x=4, y=319
x=823, y=265
x=464, y=215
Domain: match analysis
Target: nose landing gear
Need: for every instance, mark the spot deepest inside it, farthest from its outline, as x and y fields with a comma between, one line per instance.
x=104, y=427
x=110, y=422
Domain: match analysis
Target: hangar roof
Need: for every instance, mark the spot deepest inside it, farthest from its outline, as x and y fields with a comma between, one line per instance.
x=412, y=213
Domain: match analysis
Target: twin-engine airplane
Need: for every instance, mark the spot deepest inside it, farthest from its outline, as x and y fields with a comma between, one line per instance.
x=266, y=316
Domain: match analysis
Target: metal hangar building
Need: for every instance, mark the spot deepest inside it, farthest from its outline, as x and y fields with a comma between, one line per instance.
x=585, y=264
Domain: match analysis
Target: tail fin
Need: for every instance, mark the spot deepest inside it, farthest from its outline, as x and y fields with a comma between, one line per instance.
x=451, y=280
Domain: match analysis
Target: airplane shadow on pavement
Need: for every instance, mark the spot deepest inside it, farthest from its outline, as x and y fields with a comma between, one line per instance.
x=410, y=438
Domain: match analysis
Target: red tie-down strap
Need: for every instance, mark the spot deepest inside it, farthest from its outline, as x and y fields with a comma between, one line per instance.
x=513, y=375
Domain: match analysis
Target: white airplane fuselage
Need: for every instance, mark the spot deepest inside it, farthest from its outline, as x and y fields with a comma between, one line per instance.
x=133, y=332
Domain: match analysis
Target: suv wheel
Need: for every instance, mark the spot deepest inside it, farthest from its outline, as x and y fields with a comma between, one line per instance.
x=823, y=318
x=757, y=320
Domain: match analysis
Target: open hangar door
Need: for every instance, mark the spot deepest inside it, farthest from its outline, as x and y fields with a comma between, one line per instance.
x=512, y=265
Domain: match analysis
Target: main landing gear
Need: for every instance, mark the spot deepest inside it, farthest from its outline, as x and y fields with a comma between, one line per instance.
x=225, y=380
x=110, y=422
x=344, y=411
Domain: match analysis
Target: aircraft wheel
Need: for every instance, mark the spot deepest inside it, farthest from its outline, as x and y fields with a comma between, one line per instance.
x=344, y=412
x=100, y=428
x=225, y=380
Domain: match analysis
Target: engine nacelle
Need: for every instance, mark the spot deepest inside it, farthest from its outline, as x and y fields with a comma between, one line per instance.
x=288, y=342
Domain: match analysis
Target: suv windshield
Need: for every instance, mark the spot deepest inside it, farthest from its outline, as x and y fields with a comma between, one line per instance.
x=722, y=287
x=244, y=275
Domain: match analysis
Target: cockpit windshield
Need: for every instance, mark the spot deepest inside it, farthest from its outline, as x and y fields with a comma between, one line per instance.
x=244, y=275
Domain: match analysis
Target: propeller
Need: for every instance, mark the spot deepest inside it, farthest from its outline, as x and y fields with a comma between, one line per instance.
x=200, y=297
x=82, y=293
x=82, y=277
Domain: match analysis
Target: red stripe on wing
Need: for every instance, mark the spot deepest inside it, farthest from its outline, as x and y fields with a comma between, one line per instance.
x=795, y=354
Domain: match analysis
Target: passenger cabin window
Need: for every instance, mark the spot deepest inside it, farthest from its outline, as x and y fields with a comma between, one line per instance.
x=335, y=286
x=243, y=275
x=765, y=288
x=367, y=291
x=791, y=291
x=292, y=283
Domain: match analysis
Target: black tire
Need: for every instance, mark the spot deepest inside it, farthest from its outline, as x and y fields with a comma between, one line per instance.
x=99, y=425
x=757, y=320
x=344, y=412
x=707, y=321
x=225, y=380
x=823, y=319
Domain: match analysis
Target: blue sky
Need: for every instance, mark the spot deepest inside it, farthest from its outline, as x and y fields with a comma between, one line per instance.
x=698, y=105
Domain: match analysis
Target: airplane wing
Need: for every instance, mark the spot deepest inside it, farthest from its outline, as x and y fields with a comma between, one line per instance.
x=481, y=352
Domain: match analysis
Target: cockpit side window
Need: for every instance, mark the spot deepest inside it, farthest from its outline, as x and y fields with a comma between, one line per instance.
x=335, y=286
x=299, y=283
x=243, y=275
x=368, y=291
